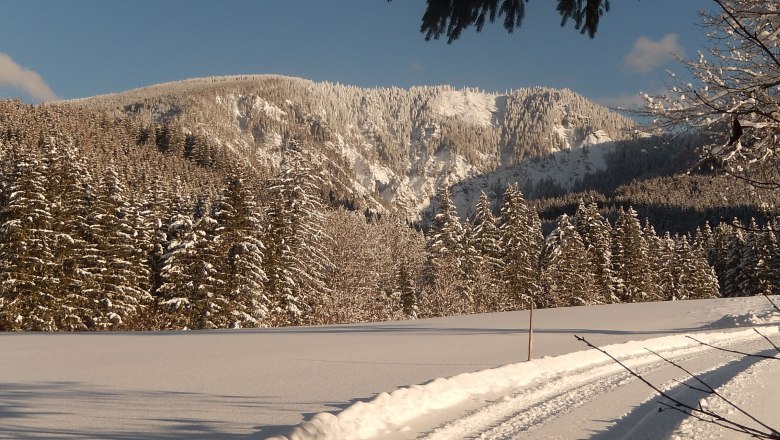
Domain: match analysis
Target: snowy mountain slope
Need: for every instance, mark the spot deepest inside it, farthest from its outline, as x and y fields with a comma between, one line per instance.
x=560, y=169
x=389, y=149
x=259, y=383
x=478, y=108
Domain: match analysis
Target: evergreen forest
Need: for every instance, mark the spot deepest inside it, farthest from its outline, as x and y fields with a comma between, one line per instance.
x=113, y=223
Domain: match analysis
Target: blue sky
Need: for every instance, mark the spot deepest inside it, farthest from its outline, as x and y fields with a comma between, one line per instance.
x=78, y=48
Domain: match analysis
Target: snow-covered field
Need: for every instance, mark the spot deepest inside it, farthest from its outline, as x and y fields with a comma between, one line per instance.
x=254, y=384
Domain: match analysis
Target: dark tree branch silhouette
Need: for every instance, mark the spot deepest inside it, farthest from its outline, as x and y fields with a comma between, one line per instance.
x=451, y=17
x=741, y=353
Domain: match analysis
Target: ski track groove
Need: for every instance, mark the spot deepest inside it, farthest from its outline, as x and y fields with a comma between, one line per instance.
x=511, y=416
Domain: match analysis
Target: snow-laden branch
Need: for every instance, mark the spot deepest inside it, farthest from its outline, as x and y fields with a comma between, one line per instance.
x=735, y=89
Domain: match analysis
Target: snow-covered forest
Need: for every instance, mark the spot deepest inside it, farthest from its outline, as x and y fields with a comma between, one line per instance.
x=383, y=149
x=107, y=224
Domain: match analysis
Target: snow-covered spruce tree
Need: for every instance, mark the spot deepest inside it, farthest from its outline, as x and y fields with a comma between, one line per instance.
x=733, y=94
x=177, y=259
x=72, y=195
x=665, y=269
x=756, y=266
x=653, y=245
x=121, y=274
x=238, y=243
x=774, y=227
x=288, y=302
x=631, y=260
x=705, y=280
x=735, y=275
x=768, y=268
x=596, y=233
x=406, y=291
x=196, y=297
x=443, y=277
x=566, y=275
x=28, y=290
x=719, y=251
x=295, y=261
x=752, y=261
x=521, y=243
x=407, y=256
x=487, y=242
x=686, y=272
x=473, y=276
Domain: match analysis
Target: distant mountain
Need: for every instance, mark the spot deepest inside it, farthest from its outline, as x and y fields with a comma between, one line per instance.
x=389, y=149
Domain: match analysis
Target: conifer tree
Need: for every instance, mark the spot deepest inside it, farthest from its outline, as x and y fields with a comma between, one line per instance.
x=666, y=269
x=74, y=250
x=29, y=295
x=443, y=269
x=653, y=246
x=295, y=260
x=596, y=234
x=471, y=274
x=238, y=243
x=567, y=277
x=630, y=256
x=521, y=241
x=121, y=274
x=718, y=253
x=686, y=271
x=735, y=276
x=704, y=283
x=177, y=242
x=195, y=299
x=756, y=263
x=751, y=262
x=288, y=301
x=487, y=243
x=406, y=291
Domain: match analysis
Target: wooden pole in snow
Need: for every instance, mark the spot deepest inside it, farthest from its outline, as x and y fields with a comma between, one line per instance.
x=531, y=331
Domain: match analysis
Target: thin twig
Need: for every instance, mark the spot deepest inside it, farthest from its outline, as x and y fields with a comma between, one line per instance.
x=714, y=391
x=691, y=387
x=771, y=302
x=741, y=353
x=773, y=434
x=767, y=339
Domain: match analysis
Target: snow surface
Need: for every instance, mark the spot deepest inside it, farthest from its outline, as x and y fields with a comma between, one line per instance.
x=476, y=107
x=391, y=411
x=262, y=383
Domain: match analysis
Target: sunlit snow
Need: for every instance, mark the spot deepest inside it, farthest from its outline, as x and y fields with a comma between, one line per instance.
x=260, y=383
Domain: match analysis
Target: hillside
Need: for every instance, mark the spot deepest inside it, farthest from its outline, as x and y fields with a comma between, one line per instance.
x=388, y=149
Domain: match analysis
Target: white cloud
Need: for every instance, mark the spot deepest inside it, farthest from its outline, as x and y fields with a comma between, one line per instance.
x=647, y=55
x=18, y=77
x=624, y=100
x=415, y=66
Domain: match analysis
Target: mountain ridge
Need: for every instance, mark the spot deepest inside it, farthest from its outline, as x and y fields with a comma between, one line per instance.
x=387, y=149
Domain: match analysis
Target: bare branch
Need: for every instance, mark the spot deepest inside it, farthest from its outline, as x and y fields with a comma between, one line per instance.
x=741, y=353
x=688, y=409
x=714, y=391
x=767, y=339
x=772, y=302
